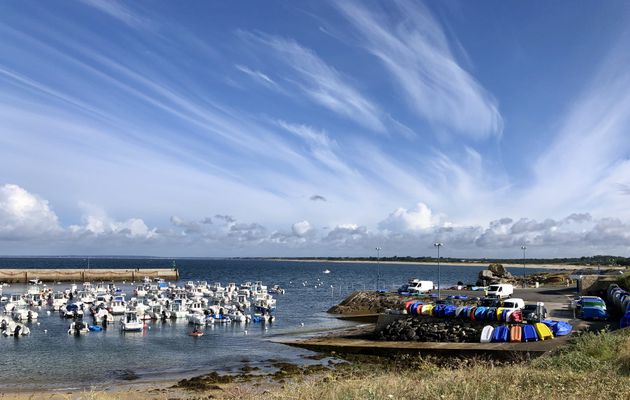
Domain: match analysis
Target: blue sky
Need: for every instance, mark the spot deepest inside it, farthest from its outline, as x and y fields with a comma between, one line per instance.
x=314, y=128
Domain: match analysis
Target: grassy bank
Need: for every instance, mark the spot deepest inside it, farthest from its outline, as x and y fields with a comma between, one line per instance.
x=594, y=366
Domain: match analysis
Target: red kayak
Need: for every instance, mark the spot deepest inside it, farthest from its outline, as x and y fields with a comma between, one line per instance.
x=196, y=333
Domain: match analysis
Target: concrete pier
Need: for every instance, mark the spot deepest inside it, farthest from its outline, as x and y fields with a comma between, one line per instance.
x=84, y=275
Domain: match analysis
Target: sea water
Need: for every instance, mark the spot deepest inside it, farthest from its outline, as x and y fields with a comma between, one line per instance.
x=53, y=359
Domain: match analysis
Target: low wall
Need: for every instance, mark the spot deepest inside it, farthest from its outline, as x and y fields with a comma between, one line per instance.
x=83, y=275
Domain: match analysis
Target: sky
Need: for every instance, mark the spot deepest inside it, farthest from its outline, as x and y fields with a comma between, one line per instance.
x=314, y=128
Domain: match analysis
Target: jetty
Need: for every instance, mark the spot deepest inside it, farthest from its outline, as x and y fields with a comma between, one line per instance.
x=23, y=275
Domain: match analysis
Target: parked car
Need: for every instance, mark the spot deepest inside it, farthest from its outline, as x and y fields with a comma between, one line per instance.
x=535, y=312
x=591, y=307
x=513, y=303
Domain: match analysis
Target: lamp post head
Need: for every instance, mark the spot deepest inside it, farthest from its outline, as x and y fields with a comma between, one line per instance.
x=523, y=247
x=438, y=244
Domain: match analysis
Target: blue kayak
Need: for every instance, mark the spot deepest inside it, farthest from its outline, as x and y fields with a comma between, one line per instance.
x=529, y=333
x=625, y=320
x=438, y=310
x=480, y=313
x=95, y=328
x=491, y=314
x=559, y=328
x=449, y=310
x=500, y=334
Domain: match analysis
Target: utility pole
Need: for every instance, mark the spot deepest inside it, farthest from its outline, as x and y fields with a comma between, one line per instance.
x=523, y=247
x=438, y=245
x=378, y=267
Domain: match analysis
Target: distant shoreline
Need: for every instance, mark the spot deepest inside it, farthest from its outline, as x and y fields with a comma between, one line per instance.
x=450, y=263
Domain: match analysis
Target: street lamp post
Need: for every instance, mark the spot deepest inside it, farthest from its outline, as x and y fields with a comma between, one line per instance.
x=378, y=267
x=523, y=247
x=438, y=245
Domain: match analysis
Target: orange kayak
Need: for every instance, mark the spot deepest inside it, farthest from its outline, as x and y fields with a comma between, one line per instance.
x=515, y=333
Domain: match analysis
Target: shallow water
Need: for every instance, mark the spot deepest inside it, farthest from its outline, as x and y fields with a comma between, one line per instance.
x=54, y=359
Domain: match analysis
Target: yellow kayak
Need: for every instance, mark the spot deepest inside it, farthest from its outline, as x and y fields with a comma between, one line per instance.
x=543, y=331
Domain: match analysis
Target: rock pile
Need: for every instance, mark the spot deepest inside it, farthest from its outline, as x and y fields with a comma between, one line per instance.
x=430, y=330
x=496, y=273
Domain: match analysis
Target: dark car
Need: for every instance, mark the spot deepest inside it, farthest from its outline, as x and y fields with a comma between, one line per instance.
x=530, y=312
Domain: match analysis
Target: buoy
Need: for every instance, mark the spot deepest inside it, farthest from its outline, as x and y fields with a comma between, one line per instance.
x=245, y=332
x=301, y=323
x=45, y=330
x=48, y=312
x=38, y=324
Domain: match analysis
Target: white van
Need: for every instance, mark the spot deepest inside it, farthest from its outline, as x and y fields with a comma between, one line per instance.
x=502, y=290
x=418, y=286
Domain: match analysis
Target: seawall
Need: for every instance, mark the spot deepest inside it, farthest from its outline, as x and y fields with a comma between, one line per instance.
x=83, y=275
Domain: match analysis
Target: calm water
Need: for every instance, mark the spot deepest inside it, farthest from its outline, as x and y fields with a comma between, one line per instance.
x=55, y=359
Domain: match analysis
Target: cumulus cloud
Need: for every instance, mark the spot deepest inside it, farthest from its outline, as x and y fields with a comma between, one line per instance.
x=24, y=215
x=418, y=218
x=301, y=228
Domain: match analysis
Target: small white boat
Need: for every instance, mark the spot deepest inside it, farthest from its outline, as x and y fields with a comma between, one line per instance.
x=131, y=323
x=24, y=314
x=326, y=271
x=486, y=334
x=16, y=329
x=78, y=328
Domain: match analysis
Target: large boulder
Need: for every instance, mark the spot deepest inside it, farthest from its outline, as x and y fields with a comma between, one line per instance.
x=497, y=269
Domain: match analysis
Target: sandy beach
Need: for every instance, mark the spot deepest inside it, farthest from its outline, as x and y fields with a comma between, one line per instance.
x=465, y=264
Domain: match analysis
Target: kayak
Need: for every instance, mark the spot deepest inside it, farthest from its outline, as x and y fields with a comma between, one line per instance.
x=450, y=311
x=500, y=334
x=486, y=334
x=558, y=328
x=515, y=334
x=480, y=313
x=499, y=312
x=543, y=331
x=196, y=334
x=516, y=316
x=529, y=334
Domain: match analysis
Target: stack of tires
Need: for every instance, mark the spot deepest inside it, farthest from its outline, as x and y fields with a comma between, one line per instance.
x=621, y=299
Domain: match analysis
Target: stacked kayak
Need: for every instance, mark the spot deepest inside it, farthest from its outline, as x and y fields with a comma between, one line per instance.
x=558, y=328
x=516, y=334
x=543, y=331
x=529, y=333
x=486, y=334
x=501, y=334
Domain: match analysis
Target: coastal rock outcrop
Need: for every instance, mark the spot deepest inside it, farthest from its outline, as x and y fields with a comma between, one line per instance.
x=496, y=273
x=369, y=302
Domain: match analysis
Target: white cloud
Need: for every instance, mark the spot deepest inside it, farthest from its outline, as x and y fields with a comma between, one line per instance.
x=256, y=75
x=117, y=10
x=322, y=83
x=419, y=218
x=413, y=47
x=302, y=228
x=24, y=215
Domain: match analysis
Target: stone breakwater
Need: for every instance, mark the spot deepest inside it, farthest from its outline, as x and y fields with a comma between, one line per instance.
x=430, y=330
x=84, y=275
